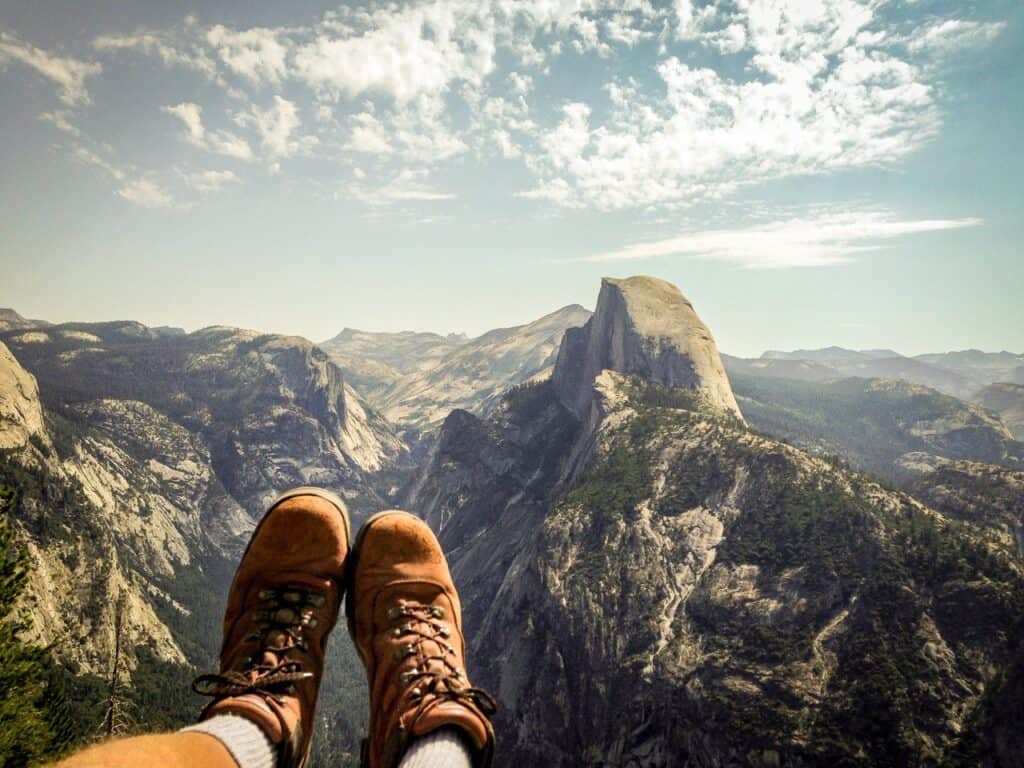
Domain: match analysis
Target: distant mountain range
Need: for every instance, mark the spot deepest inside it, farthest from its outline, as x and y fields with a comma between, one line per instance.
x=417, y=379
x=961, y=374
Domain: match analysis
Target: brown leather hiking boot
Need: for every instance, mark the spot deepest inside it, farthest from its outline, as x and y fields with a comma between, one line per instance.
x=283, y=603
x=404, y=616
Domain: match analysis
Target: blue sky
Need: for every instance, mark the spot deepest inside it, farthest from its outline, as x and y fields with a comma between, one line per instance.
x=809, y=172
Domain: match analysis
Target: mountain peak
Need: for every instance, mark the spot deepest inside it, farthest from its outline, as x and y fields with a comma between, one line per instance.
x=644, y=326
x=10, y=320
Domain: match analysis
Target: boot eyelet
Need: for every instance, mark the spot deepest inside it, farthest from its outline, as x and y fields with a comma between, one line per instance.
x=285, y=616
x=292, y=597
x=404, y=651
x=267, y=594
x=316, y=600
x=437, y=612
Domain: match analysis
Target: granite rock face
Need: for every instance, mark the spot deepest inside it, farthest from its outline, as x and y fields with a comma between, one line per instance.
x=642, y=326
x=118, y=506
x=646, y=582
x=273, y=411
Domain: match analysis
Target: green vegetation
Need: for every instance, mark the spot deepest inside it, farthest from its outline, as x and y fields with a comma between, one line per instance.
x=30, y=705
x=870, y=427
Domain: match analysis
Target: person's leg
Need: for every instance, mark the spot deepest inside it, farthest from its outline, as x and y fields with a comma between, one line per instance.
x=406, y=622
x=171, y=750
x=283, y=603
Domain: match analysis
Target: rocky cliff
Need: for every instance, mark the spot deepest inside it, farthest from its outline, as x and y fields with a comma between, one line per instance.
x=273, y=411
x=122, y=512
x=642, y=326
x=649, y=583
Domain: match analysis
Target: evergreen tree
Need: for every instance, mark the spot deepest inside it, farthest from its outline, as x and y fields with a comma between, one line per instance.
x=25, y=732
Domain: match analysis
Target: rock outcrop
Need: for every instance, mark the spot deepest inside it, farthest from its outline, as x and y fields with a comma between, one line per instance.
x=21, y=414
x=642, y=326
x=646, y=582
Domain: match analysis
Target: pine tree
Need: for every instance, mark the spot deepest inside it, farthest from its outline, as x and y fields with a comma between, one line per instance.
x=25, y=733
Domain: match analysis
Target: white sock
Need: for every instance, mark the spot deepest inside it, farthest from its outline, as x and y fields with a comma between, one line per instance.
x=242, y=737
x=443, y=748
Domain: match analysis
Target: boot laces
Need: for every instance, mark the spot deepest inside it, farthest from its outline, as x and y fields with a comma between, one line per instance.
x=429, y=682
x=282, y=615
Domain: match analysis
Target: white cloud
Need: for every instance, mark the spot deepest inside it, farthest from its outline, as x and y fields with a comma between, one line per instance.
x=276, y=127
x=192, y=116
x=69, y=74
x=61, y=120
x=171, y=52
x=257, y=54
x=407, y=186
x=822, y=96
x=368, y=135
x=953, y=35
x=402, y=52
x=87, y=156
x=815, y=241
x=211, y=181
x=811, y=87
x=145, y=193
x=221, y=142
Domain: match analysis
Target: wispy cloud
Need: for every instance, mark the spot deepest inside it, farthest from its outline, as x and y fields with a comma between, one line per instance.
x=407, y=186
x=221, y=142
x=954, y=35
x=68, y=73
x=211, y=181
x=146, y=193
x=162, y=45
x=818, y=241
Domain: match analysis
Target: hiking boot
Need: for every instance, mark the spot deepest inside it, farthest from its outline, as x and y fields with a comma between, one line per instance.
x=406, y=622
x=283, y=603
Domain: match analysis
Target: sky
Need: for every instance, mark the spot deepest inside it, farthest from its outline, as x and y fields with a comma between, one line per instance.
x=808, y=172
